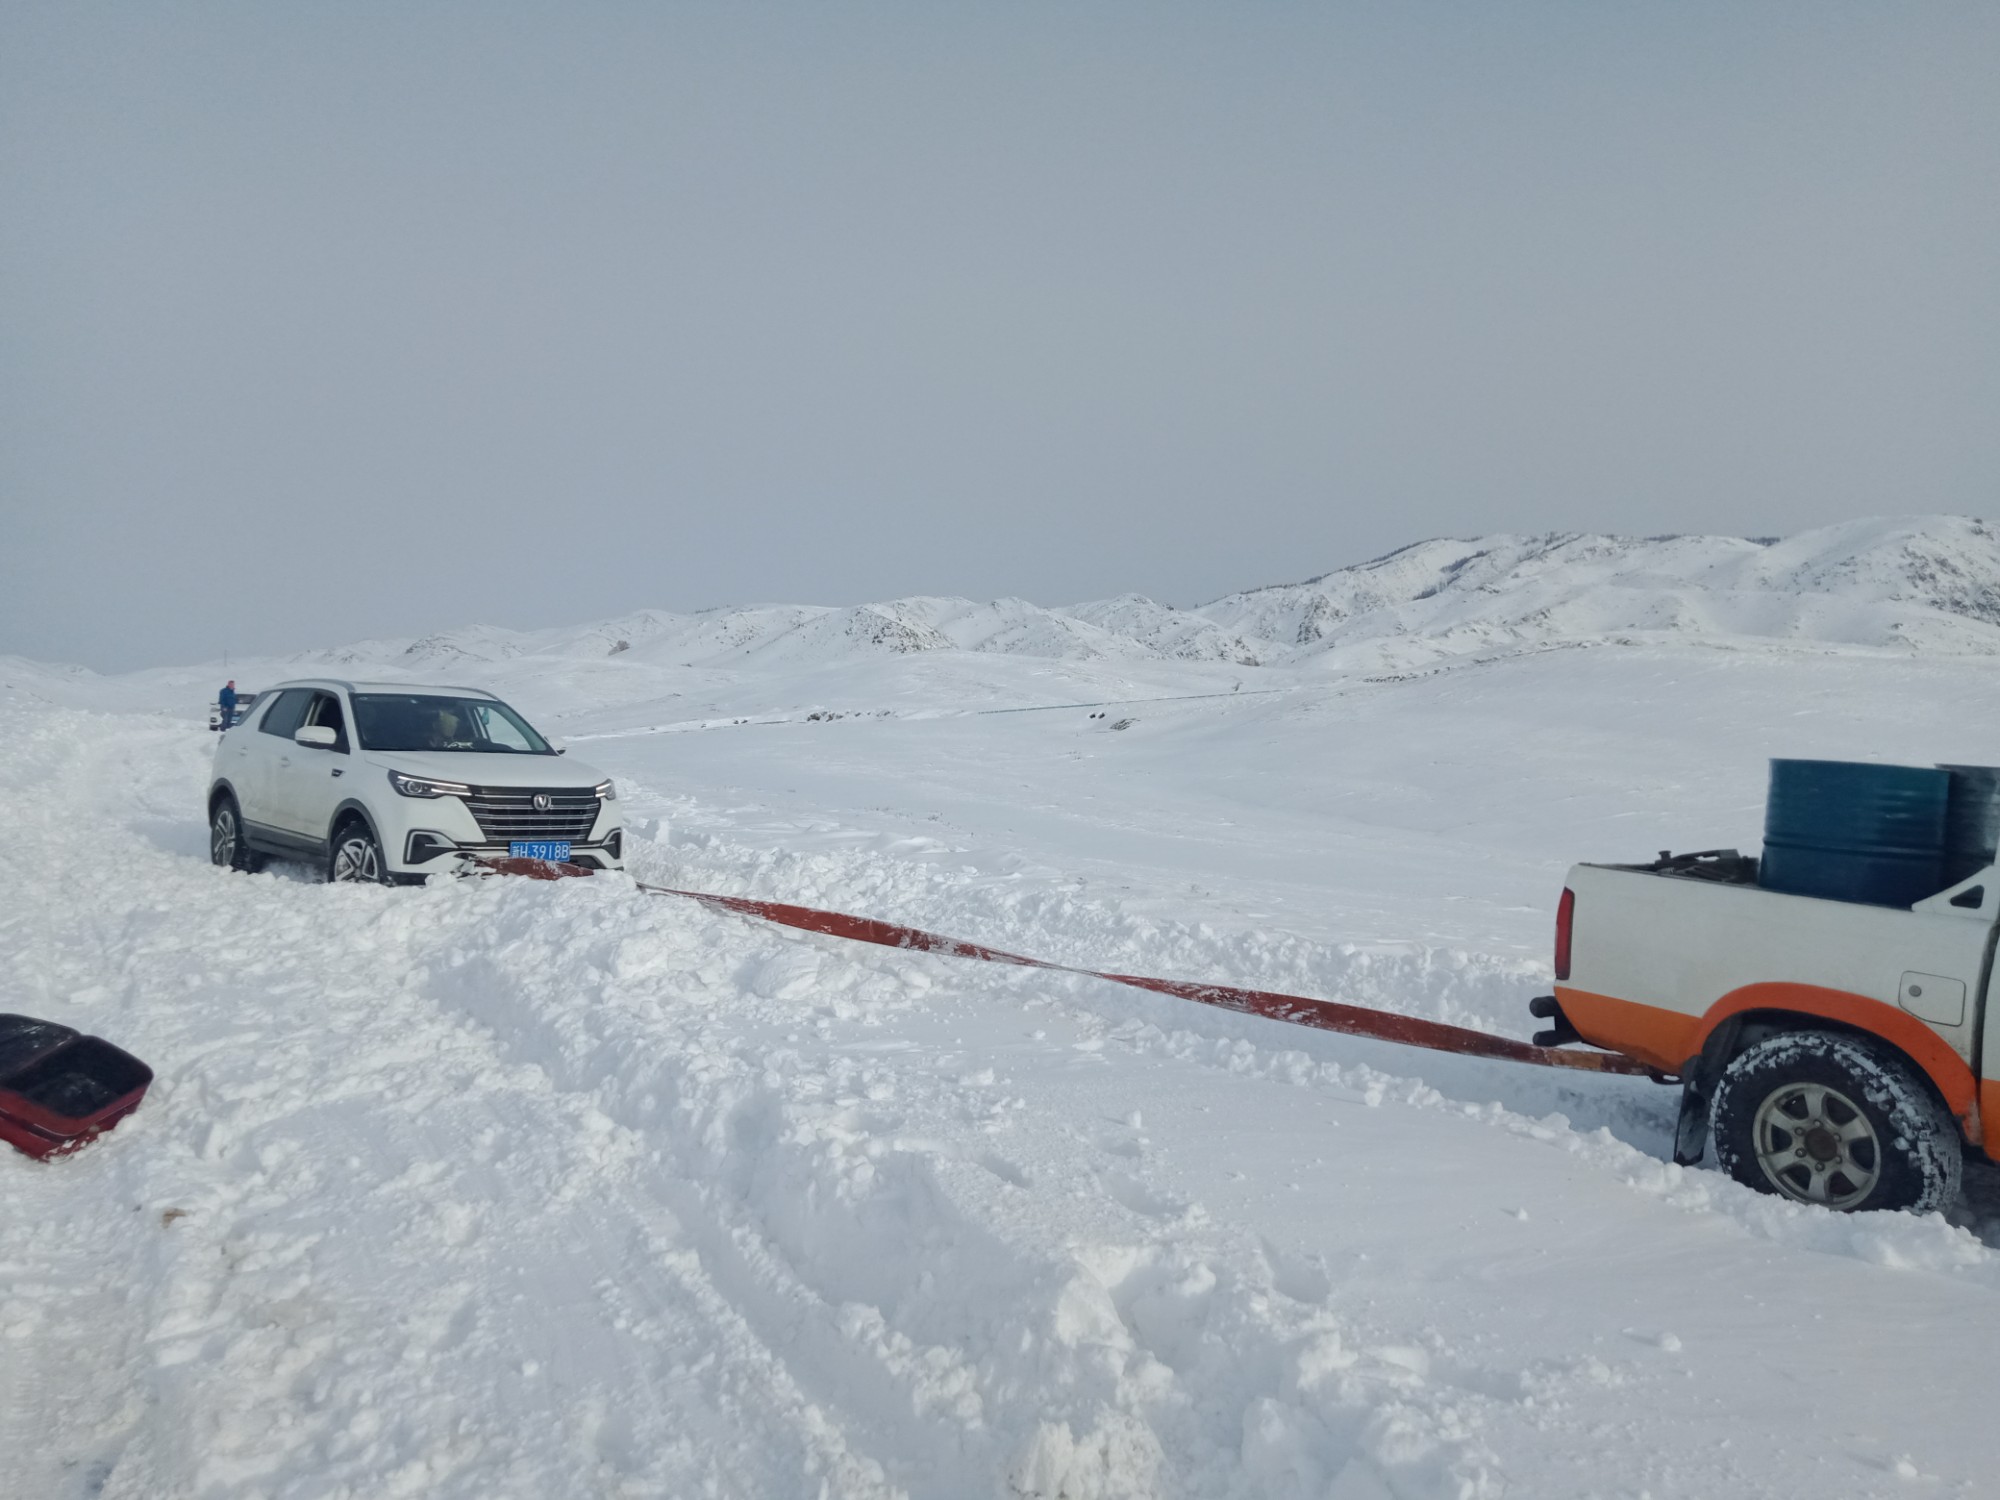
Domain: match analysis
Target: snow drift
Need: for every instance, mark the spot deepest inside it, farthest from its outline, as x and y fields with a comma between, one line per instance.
x=507, y=1189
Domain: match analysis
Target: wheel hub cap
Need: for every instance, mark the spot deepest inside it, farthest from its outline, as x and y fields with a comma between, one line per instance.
x=1817, y=1146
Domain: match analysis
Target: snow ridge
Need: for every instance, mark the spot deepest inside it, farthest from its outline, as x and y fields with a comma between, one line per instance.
x=1931, y=583
x=1928, y=583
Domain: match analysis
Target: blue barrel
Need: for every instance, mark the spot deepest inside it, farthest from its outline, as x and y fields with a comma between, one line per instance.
x=1971, y=821
x=1850, y=831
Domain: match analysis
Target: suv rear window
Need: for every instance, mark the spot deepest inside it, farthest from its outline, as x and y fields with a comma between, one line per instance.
x=282, y=718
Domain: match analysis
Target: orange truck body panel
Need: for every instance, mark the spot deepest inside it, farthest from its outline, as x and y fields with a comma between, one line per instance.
x=1659, y=960
x=1667, y=1039
x=1659, y=1038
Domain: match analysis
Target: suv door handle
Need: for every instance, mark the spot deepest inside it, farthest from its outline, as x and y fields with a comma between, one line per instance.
x=336, y=770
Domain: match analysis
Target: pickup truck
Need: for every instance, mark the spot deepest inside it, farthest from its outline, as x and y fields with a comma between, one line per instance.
x=1837, y=1053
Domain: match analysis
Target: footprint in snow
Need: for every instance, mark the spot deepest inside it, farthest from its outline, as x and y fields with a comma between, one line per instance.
x=789, y=975
x=1005, y=1170
x=1145, y=1201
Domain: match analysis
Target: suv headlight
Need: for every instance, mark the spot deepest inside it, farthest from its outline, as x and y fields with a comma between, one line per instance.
x=607, y=790
x=423, y=786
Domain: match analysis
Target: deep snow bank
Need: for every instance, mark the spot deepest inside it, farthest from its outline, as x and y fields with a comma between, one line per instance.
x=508, y=1189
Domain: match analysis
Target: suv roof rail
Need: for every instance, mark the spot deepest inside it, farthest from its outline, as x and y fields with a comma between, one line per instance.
x=389, y=687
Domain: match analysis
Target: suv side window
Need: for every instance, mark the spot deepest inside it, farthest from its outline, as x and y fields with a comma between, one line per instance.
x=282, y=718
x=325, y=710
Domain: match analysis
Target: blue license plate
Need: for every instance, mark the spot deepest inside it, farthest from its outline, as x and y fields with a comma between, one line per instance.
x=549, y=849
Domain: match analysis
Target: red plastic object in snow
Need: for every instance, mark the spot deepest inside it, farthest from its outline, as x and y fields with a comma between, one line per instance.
x=60, y=1089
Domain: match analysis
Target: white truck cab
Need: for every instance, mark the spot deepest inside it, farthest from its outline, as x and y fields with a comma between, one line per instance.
x=1836, y=1051
x=391, y=782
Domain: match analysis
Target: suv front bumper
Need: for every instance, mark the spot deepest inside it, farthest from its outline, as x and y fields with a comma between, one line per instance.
x=428, y=852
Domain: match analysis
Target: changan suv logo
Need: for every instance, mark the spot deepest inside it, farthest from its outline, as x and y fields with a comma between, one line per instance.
x=543, y=802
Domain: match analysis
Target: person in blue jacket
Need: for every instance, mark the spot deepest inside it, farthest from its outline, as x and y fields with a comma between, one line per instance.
x=226, y=701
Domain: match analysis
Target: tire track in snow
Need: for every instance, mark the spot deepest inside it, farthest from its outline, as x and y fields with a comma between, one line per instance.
x=834, y=1195
x=1162, y=1350
x=364, y=1195
x=1624, y=1127
x=1448, y=985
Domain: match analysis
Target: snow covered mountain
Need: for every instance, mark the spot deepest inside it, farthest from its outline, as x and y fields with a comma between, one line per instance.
x=1928, y=583
x=1931, y=583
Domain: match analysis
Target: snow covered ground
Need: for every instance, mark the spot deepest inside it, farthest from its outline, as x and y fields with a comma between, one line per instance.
x=510, y=1189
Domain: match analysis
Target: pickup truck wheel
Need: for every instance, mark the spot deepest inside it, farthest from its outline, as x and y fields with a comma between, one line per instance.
x=356, y=857
x=1835, y=1120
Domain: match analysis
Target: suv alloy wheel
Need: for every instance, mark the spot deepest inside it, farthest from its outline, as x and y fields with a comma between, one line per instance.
x=356, y=858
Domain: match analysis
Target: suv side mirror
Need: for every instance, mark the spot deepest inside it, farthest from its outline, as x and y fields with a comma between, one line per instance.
x=556, y=745
x=317, y=736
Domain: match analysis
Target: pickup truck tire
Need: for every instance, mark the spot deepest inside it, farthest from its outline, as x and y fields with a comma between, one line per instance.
x=1835, y=1120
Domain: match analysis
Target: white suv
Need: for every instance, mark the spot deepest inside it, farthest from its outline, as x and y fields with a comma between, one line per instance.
x=391, y=783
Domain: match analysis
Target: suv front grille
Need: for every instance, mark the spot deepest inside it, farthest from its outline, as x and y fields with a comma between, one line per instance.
x=509, y=812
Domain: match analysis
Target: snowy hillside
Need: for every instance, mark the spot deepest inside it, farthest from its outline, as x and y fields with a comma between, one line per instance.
x=510, y=1189
x=1931, y=583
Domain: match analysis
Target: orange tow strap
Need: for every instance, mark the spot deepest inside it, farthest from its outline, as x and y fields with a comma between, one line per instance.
x=1325, y=1015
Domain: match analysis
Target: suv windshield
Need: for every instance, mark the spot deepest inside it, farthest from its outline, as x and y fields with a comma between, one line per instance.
x=440, y=721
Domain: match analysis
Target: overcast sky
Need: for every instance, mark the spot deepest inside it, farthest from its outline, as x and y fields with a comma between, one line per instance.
x=324, y=321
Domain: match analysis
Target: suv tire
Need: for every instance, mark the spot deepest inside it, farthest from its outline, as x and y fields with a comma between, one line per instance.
x=1825, y=1118
x=226, y=847
x=356, y=856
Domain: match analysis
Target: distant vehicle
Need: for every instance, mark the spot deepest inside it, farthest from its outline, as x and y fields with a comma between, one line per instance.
x=390, y=783
x=244, y=702
x=1843, y=1054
